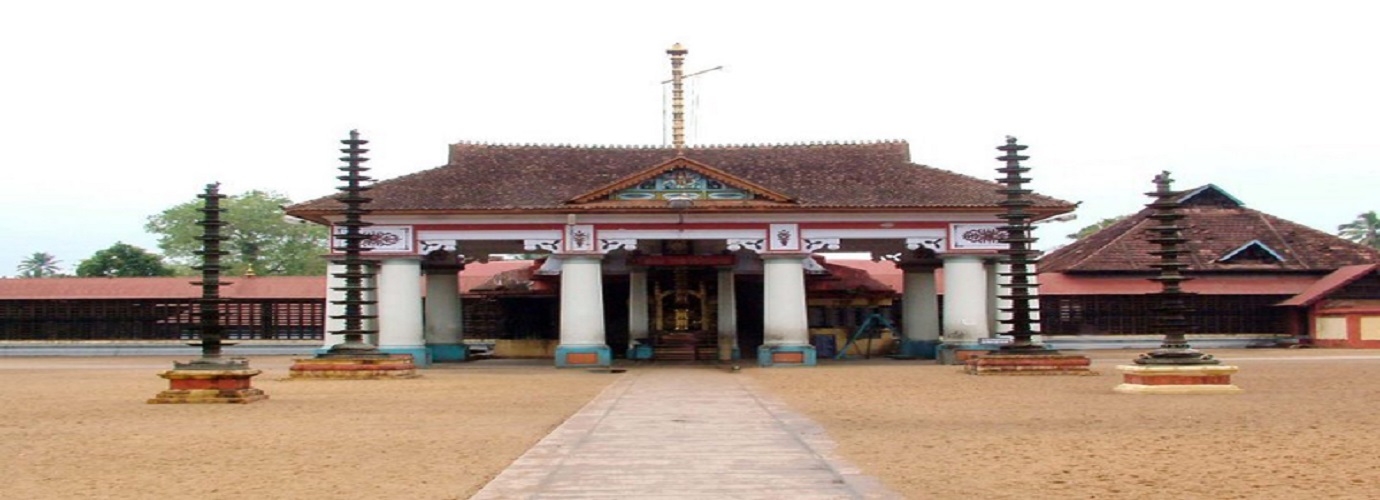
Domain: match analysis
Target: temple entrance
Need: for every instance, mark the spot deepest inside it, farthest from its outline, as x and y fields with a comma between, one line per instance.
x=683, y=315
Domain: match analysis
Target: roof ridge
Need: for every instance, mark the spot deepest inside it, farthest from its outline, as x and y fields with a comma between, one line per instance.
x=1274, y=231
x=567, y=145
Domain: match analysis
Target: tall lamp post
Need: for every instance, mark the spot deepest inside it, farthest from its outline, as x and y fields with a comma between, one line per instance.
x=1171, y=314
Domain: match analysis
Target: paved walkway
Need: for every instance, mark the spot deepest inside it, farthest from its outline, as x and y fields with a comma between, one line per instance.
x=692, y=432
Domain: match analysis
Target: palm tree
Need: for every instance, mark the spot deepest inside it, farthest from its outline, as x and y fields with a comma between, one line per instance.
x=38, y=265
x=1363, y=230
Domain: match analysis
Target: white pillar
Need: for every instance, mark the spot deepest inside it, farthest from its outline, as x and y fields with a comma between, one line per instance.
x=920, y=310
x=400, y=309
x=582, y=312
x=785, y=329
x=728, y=316
x=965, y=299
x=639, y=326
x=332, y=308
x=445, y=330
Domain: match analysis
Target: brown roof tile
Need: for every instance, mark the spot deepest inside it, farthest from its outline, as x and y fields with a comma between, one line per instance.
x=502, y=177
x=180, y=287
x=1215, y=226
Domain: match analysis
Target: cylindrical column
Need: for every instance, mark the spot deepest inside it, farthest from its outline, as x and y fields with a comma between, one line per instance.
x=965, y=299
x=400, y=309
x=728, y=316
x=786, y=332
x=639, y=326
x=920, y=311
x=582, y=312
x=445, y=329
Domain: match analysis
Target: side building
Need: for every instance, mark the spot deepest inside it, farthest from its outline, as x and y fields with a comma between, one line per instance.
x=1252, y=273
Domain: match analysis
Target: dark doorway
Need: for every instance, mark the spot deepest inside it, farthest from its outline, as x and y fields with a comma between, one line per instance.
x=748, y=294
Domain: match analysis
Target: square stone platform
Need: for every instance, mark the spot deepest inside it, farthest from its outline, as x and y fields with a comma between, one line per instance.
x=393, y=366
x=1180, y=379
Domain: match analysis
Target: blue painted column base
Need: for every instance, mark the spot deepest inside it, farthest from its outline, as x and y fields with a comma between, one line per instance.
x=583, y=356
x=786, y=355
x=448, y=352
x=640, y=352
x=957, y=354
x=421, y=357
x=922, y=349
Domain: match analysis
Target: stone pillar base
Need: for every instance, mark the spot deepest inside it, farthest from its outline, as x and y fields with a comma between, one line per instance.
x=786, y=355
x=1029, y=364
x=346, y=367
x=640, y=352
x=583, y=356
x=1168, y=379
x=209, y=386
x=421, y=355
x=448, y=352
x=958, y=354
x=920, y=349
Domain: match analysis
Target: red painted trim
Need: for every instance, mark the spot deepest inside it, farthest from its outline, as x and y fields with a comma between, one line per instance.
x=487, y=227
x=874, y=225
x=673, y=225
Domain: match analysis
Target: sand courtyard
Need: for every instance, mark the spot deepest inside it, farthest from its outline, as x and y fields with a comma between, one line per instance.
x=1307, y=426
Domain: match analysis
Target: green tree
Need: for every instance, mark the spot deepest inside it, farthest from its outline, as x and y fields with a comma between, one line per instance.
x=123, y=260
x=257, y=236
x=1363, y=230
x=1100, y=225
x=39, y=265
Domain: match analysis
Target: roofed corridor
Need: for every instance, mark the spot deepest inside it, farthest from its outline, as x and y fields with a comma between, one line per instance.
x=683, y=432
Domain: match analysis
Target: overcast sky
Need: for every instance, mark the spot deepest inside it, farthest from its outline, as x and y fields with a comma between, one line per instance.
x=113, y=111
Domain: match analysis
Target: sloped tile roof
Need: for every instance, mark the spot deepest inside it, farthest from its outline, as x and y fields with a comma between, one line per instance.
x=1213, y=230
x=1328, y=284
x=481, y=177
x=179, y=287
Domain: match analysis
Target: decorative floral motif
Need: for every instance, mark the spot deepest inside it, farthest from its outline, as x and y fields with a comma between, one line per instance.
x=735, y=244
x=986, y=235
x=783, y=237
x=580, y=238
x=379, y=239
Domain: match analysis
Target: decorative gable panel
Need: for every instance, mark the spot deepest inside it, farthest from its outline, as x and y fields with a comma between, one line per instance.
x=682, y=184
x=681, y=179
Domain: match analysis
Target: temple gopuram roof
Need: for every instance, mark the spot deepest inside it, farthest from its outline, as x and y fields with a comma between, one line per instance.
x=488, y=177
x=1223, y=236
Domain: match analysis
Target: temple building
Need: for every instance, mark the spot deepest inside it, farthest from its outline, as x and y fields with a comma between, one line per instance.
x=1251, y=273
x=681, y=248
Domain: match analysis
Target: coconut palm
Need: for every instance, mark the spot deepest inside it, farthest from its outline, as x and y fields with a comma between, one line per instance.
x=1363, y=230
x=38, y=265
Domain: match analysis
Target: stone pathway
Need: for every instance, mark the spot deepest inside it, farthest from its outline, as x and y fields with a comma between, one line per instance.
x=683, y=432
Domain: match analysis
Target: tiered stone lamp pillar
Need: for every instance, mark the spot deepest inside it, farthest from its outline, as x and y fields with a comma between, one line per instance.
x=1174, y=368
x=1022, y=356
x=354, y=358
x=213, y=378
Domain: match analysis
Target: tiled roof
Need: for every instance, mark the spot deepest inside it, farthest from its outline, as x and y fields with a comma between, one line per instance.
x=848, y=279
x=1213, y=230
x=1329, y=284
x=505, y=177
x=180, y=287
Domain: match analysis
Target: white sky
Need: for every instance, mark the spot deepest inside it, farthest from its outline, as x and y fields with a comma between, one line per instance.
x=113, y=111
